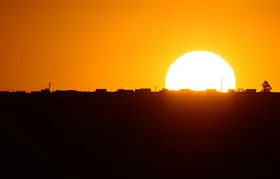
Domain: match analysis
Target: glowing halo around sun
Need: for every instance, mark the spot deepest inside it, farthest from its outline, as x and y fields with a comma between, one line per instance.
x=198, y=71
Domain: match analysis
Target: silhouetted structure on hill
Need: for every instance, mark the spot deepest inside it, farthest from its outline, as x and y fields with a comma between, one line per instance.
x=47, y=90
x=101, y=90
x=143, y=90
x=182, y=134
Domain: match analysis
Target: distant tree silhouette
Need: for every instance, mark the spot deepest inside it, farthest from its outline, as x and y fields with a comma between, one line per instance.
x=266, y=87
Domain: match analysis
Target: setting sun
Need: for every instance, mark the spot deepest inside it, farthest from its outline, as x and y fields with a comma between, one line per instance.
x=200, y=70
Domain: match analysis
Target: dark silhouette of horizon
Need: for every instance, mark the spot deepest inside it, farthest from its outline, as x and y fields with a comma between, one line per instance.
x=70, y=134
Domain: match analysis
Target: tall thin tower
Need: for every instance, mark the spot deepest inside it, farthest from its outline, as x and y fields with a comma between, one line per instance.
x=221, y=84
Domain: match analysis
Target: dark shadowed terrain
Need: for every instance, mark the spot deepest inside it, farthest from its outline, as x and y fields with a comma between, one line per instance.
x=140, y=135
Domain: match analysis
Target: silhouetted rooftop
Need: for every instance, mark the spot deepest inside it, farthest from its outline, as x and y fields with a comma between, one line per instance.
x=142, y=90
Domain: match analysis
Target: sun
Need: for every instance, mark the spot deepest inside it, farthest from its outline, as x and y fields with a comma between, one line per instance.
x=198, y=71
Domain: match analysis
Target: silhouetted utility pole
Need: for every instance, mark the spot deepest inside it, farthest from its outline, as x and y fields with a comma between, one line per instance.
x=221, y=84
x=266, y=87
x=47, y=90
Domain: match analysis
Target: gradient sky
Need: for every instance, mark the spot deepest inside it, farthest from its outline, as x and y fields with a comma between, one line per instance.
x=130, y=44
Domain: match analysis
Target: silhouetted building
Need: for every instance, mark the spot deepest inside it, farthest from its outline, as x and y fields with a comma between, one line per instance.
x=60, y=91
x=125, y=91
x=251, y=91
x=101, y=90
x=185, y=90
x=45, y=91
x=143, y=90
x=164, y=90
x=231, y=90
x=36, y=92
x=72, y=91
x=211, y=91
x=20, y=93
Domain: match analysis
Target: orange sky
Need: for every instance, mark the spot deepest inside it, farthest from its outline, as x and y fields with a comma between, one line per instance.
x=113, y=44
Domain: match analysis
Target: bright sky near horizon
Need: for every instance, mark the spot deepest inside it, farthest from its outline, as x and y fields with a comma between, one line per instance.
x=84, y=45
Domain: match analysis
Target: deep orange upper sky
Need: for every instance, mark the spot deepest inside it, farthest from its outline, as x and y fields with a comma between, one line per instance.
x=113, y=44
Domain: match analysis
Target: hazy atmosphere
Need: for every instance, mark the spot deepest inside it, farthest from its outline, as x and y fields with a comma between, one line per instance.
x=113, y=44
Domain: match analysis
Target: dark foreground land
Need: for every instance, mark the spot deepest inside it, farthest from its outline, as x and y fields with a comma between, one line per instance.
x=140, y=135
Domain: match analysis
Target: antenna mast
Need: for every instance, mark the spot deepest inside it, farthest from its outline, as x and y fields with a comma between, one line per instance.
x=221, y=84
